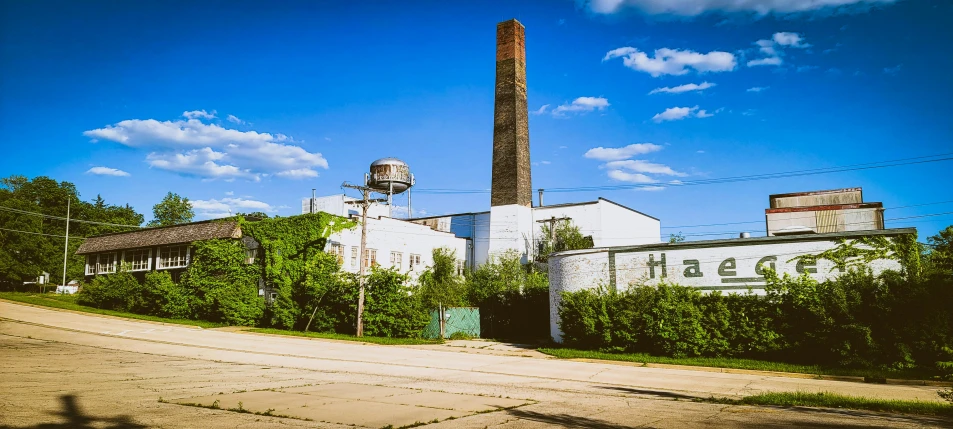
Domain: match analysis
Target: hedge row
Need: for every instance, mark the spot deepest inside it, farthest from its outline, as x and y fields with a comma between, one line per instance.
x=859, y=319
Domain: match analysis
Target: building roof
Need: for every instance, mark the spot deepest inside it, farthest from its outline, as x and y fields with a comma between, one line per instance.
x=812, y=193
x=825, y=207
x=550, y=206
x=160, y=236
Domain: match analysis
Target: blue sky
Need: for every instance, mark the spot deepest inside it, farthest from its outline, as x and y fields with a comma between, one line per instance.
x=248, y=105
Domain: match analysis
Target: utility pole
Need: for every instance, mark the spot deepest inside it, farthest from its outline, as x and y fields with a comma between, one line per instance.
x=66, y=244
x=552, y=227
x=365, y=202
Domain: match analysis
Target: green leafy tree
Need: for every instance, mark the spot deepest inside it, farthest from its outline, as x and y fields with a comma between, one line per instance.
x=676, y=238
x=172, y=210
x=566, y=236
x=940, y=256
x=513, y=298
x=32, y=218
x=440, y=284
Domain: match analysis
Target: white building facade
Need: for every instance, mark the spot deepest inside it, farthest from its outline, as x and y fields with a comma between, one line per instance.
x=391, y=243
x=607, y=222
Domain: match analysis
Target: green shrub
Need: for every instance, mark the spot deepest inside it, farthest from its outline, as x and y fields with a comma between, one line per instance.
x=160, y=296
x=225, y=287
x=111, y=291
x=513, y=299
x=857, y=320
x=391, y=309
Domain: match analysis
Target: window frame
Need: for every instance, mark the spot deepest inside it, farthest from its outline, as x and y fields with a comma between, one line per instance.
x=370, y=258
x=99, y=264
x=396, y=260
x=253, y=258
x=414, y=261
x=132, y=264
x=91, y=268
x=337, y=250
x=354, y=256
x=159, y=260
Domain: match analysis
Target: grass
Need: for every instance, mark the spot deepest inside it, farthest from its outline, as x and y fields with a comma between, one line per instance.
x=833, y=400
x=332, y=336
x=738, y=363
x=68, y=302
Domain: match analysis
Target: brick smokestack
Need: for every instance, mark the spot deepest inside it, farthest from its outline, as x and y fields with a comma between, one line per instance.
x=511, y=166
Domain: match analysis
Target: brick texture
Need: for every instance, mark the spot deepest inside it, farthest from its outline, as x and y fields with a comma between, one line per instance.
x=511, y=166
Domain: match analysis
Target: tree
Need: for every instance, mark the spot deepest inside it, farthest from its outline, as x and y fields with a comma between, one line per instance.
x=676, y=238
x=567, y=237
x=172, y=210
x=940, y=257
x=440, y=284
x=32, y=218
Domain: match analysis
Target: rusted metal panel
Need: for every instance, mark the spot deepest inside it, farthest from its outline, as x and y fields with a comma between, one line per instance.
x=825, y=207
x=817, y=198
x=828, y=221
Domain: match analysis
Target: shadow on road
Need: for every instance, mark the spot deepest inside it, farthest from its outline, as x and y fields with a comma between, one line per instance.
x=565, y=420
x=647, y=392
x=73, y=418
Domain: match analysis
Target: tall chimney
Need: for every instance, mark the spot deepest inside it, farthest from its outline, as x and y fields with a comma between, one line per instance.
x=511, y=166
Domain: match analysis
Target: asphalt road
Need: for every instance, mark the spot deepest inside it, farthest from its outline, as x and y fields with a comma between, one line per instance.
x=64, y=369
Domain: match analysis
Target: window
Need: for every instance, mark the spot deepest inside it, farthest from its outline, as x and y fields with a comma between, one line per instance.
x=173, y=257
x=251, y=255
x=337, y=250
x=370, y=257
x=90, y=265
x=106, y=263
x=414, y=261
x=138, y=260
x=395, y=259
x=354, y=256
x=460, y=266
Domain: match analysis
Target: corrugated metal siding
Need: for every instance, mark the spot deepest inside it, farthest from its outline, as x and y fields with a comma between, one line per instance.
x=829, y=221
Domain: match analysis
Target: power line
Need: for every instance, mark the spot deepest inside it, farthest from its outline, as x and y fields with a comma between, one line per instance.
x=37, y=233
x=796, y=173
x=10, y=209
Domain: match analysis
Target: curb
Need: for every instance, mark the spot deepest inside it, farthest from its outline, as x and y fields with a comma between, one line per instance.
x=855, y=379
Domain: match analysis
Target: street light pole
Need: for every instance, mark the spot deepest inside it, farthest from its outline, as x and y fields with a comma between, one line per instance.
x=66, y=244
x=365, y=203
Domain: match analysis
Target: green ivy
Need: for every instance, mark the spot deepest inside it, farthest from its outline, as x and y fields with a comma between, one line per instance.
x=860, y=252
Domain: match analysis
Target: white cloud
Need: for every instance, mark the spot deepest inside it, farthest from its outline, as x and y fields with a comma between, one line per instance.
x=805, y=68
x=196, y=114
x=212, y=151
x=773, y=48
x=683, y=88
x=213, y=208
x=541, y=110
x=757, y=7
x=679, y=113
x=785, y=38
x=770, y=61
x=649, y=188
x=640, y=166
x=233, y=118
x=757, y=89
x=106, y=171
x=619, y=153
x=230, y=193
x=582, y=104
x=564, y=147
x=667, y=61
x=623, y=176
x=399, y=211
x=699, y=151
x=893, y=70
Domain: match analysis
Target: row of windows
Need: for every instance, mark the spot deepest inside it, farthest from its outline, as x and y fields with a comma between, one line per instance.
x=370, y=258
x=137, y=260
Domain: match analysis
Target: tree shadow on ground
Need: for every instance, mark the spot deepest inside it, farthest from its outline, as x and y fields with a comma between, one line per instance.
x=647, y=392
x=73, y=418
x=565, y=420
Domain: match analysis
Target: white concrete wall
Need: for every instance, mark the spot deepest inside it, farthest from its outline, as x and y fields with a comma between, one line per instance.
x=588, y=217
x=726, y=265
x=624, y=227
x=860, y=219
x=388, y=235
x=511, y=228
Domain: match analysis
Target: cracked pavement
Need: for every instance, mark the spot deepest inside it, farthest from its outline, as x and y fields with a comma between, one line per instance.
x=63, y=369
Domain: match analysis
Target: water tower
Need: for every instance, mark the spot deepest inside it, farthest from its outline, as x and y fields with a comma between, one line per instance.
x=390, y=176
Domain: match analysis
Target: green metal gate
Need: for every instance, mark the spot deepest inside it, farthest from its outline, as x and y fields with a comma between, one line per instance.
x=456, y=319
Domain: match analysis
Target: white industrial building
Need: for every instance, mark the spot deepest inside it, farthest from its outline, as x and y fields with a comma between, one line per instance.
x=392, y=243
x=606, y=222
